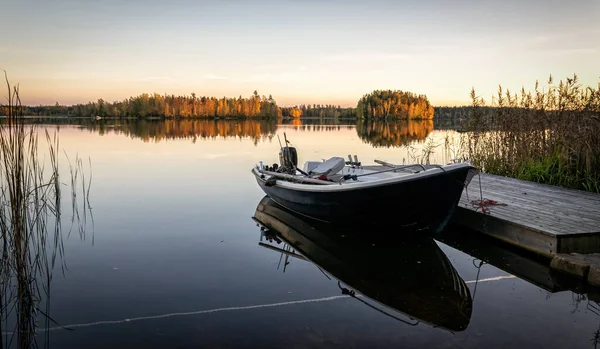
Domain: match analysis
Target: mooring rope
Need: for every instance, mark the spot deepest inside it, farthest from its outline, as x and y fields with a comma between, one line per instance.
x=483, y=204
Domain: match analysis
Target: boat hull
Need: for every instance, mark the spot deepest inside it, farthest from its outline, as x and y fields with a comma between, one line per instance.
x=425, y=203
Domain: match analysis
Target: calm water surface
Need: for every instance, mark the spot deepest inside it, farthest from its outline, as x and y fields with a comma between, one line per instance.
x=177, y=261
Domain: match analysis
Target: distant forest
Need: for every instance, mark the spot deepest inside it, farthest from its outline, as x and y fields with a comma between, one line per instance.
x=377, y=105
x=318, y=111
x=168, y=106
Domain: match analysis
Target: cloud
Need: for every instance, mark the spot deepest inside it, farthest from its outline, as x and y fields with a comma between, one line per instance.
x=572, y=43
x=576, y=51
x=540, y=39
x=365, y=57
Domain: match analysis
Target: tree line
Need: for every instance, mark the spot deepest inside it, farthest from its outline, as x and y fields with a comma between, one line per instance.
x=378, y=104
x=327, y=111
x=166, y=106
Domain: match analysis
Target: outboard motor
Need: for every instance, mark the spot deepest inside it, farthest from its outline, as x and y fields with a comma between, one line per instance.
x=288, y=157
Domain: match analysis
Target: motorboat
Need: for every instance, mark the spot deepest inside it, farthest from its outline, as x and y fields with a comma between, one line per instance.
x=415, y=196
x=409, y=279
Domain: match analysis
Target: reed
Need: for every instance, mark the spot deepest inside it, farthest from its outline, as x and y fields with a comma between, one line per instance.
x=423, y=154
x=31, y=239
x=550, y=135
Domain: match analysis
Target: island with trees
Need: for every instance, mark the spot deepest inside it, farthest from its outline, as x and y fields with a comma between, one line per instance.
x=388, y=104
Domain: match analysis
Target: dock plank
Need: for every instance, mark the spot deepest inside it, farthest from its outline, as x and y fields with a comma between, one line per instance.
x=548, y=222
x=546, y=199
x=563, y=197
x=586, y=214
x=542, y=218
x=538, y=187
x=564, y=214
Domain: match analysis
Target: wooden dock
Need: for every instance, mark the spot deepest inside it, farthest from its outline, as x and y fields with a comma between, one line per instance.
x=541, y=218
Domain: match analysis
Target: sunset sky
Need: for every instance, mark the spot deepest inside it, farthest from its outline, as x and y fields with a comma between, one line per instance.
x=309, y=51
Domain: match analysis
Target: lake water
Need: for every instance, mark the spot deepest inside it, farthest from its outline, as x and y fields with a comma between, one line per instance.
x=176, y=259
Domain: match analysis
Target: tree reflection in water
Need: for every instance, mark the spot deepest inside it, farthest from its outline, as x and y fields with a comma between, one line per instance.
x=393, y=134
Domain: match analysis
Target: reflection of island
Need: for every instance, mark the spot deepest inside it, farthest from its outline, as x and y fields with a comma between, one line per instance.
x=374, y=132
x=377, y=133
x=159, y=130
x=393, y=134
x=413, y=277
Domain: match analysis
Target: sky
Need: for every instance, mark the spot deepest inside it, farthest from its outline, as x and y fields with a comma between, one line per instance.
x=309, y=51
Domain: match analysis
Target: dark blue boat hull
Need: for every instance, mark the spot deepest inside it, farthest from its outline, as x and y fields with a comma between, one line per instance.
x=422, y=204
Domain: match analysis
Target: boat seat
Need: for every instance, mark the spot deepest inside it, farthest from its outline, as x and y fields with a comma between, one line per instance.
x=311, y=165
x=331, y=166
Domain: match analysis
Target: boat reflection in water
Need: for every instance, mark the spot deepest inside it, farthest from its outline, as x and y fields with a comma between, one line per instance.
x=411, y=276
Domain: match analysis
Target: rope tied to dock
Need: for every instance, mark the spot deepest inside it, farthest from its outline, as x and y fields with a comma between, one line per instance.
x=484, y=205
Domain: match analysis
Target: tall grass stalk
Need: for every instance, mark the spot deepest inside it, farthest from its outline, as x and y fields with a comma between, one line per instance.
x=31, y=239
x=550, y=135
